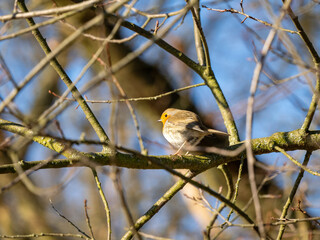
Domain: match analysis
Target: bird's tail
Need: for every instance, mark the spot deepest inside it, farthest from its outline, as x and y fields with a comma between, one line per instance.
x=212, y=131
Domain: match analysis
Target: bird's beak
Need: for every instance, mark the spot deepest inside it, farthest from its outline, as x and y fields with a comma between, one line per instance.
x=159, y=120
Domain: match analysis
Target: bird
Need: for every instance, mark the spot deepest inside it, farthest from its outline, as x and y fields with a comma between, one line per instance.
x=183, y=129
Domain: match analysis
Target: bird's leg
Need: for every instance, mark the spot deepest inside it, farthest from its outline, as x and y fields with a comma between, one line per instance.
x=177, y=152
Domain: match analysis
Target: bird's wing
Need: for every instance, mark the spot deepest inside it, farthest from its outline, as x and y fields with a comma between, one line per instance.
x=196, y=125
x=193, y=122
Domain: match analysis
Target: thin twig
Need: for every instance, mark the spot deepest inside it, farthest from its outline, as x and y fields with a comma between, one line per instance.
x=296, y=162
x=253, y=18
x=129, y=105
x=104, y=201
x=204, y=44
x=281, y=81
x=87, y=218
x=284, y=221
x=53, y=11
x=152, y=237
x=119, y=187
x=292, y=194
x=228, y=177
x=236, y=191
x=42, y=24
x=15, y=7
x=23, y=175
x=39, y=235
x=197, y=38
x=316, y=60
x=30, y=186
x=134, y=99
x=156, y=15
x=68, y=220
x=220, y=151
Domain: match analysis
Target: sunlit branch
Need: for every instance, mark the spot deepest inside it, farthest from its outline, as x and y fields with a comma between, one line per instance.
x=49, y=12
x=288, y=141
x=104, y=201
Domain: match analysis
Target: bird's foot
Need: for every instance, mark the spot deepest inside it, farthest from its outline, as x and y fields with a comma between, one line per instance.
x=176, y=155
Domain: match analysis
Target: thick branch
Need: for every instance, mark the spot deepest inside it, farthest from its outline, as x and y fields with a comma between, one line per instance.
x=289, y=141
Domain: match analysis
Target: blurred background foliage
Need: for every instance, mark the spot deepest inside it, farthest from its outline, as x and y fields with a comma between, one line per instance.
x=280, y=106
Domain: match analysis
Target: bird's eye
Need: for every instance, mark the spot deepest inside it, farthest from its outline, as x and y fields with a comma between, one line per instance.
x=166, y=115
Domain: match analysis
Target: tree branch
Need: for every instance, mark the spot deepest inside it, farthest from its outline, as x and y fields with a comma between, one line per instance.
x=288, y=141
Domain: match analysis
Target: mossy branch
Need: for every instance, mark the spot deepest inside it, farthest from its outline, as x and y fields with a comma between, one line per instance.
x=289, y=141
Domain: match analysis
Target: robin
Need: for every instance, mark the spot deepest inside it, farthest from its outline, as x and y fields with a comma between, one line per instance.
x=184, y=129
